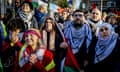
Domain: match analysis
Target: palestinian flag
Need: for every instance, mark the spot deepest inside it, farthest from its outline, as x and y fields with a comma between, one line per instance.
x=28, y=0
x=70, y=64
x=1, y=66
x=35, y=3
x=93, y=5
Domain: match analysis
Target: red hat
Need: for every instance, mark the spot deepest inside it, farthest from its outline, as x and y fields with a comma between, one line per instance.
x=32, y=31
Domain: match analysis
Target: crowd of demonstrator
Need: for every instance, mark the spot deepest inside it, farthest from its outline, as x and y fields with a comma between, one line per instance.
x=71, y=41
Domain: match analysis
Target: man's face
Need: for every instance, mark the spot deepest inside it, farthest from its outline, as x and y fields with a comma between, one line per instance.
x=65, y=14
x=96, y=15
x=17, y=3
x=78, y=18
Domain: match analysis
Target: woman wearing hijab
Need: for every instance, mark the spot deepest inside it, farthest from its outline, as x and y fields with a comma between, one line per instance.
x=104, y=51
x=33, y=56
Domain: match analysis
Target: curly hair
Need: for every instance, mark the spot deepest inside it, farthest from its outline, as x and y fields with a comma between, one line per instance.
x=15, y=23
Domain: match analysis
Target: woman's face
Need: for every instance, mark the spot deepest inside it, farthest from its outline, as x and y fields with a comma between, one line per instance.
x=104, y=32
x=112, y=20
x=31, y=39
x=26, y=8
x=65, y=14
x=49, y=25
x=17, y=3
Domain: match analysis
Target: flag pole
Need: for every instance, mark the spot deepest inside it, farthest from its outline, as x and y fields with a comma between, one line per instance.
x=101, y=6
x=48, y=8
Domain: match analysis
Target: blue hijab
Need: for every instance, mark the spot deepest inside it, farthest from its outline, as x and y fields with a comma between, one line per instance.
x=105, y=46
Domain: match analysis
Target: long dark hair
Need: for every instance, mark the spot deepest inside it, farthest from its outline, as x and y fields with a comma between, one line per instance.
x=53, y=23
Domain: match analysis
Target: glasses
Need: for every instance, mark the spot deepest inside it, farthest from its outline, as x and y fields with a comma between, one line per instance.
x=80, y=15
x=103, y=29
x=95, y=13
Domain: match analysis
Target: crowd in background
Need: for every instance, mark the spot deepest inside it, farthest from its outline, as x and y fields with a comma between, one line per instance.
x=71, y=41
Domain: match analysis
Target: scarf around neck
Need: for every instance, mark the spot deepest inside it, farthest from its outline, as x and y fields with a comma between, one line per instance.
x=76, y=37
x=96, y=25
x=26, y=17
x=104, y=47
x=51, y=40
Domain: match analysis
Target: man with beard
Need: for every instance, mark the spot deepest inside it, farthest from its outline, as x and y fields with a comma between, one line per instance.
x=78, y=36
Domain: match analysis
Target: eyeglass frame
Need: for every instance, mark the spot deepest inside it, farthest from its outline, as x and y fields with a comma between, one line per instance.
x=80, y=15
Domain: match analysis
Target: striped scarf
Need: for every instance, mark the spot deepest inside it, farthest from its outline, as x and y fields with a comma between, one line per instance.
x=76, y=37
x=26, y=17
x=105, y=46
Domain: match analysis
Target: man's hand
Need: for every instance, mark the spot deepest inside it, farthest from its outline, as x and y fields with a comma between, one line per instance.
x=63, y=45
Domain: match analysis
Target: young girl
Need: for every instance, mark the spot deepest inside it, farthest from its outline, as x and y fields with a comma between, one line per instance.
x=34, y=57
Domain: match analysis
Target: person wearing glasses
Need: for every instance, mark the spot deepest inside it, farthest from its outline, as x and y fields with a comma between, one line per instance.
x=95, y=20
x=79, y=36
x=104, y=51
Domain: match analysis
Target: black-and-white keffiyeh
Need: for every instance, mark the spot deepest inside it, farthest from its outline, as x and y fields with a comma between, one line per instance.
x=26, y=17
x=76, y=37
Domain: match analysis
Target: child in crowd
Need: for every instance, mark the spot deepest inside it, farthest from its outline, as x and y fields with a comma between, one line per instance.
x=11, y=45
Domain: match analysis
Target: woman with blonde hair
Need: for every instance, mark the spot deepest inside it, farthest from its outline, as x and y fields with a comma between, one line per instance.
x=33, y=55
